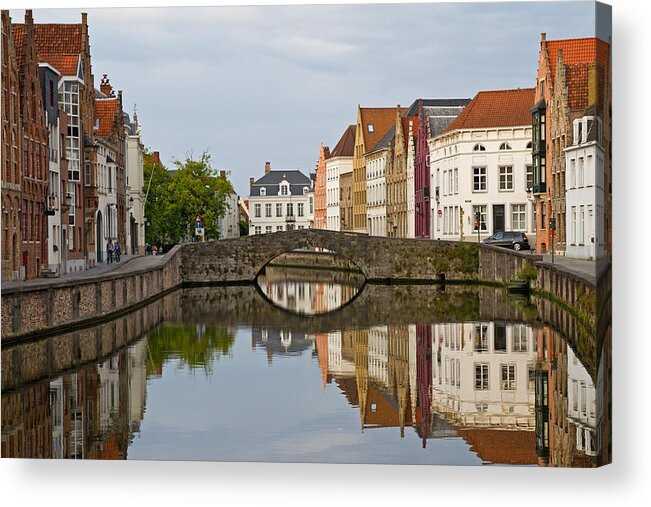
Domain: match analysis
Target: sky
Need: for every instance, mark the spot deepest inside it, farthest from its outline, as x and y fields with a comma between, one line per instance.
x=252, y=84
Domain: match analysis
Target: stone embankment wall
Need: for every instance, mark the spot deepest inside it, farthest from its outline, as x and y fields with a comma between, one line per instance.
x=35, y=309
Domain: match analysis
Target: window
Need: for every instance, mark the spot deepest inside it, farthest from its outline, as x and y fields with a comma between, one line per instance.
x=279, y=228
x=306, y=190
x=520, y=343
x=580, y=173
x=481, y=338
x=371, y=128
x=284, y=189
x=508, y=377
x=279, y=210
x=479, y=179
x=456, y=180
x=290, y=209
x=311, y=206
x=519, y=217
x=506, y=177
x=482, y=217
x=263, y=191
x=267, y=229
x=479, y=147
x=582, y=225
x=267, y=210
x=301, y=209
x=258, y=229
x=499, y=339
x=543, y=215
x=481, y=407
x=531, y=377
x=505, y=146
x=257, y=211
x=573, y=226
x=529, y=145
x=481, y=376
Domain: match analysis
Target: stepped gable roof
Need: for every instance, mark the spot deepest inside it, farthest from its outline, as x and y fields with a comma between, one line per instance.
x=586, y=50
x=386, y=139
x=105, y=109
x=271, y=181
x=496, y=108
x=58, y=44
x=509, y=447
x=405, y=127
x=381, y=118
x=346, y=145
x=435, y=103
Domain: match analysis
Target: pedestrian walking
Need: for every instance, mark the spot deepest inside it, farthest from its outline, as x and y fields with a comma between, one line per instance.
x=118, y=251
x=160, y=250
x=154, y=250
x=110, y=248
x=148, y=249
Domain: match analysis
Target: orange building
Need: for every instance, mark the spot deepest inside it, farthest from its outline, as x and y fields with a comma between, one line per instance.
x=320, y=205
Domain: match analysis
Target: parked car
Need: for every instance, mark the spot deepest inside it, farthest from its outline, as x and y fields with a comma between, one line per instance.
x=509, y=239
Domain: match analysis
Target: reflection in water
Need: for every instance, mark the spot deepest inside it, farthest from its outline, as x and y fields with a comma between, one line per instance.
x=309, y=291
x=464, y=392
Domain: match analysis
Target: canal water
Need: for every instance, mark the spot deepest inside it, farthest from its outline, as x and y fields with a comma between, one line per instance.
x=315, y=366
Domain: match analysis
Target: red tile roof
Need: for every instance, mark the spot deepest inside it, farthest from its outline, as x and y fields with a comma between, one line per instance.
x=496, y=108
x=56, y=44
x=105, y=112
x=588, y=50
x=382, y=119
x=508, y=447
x=346, y=145
x=65, y=64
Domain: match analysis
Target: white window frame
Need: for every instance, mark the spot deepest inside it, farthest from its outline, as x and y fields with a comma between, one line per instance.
x=479, y=175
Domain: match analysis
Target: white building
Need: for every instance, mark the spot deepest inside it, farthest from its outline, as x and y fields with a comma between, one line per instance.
x=582, y=405
x=483, y=374
x=339, y=162
x=56, y=201
x=106, y=218
x=281, y=201
x=135, y=196
x=584, y=194
x=482, y=163
x=376, y=183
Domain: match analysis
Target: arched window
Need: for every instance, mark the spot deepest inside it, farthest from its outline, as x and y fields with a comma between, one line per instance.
x=284, y=188
x=263, y=191
x=505, y=146
x=479, y=147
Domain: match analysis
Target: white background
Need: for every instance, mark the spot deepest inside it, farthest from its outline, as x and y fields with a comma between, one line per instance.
x=626, y=482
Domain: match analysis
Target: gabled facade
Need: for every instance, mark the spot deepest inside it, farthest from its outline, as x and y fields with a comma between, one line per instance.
x=12, y=167
x=573, y=74
x=320, y=199
x=338, y=165
x=482, y=164
x=135, y=200
x=379, y=162
x=34, y=142
x=412, y=135
x=372, y=124
x=434, y=115
x=397, y=179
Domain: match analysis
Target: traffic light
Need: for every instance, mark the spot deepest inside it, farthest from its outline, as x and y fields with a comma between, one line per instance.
x=552, y=224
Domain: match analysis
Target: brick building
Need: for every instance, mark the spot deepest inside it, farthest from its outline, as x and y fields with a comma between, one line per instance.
x=397, y=179
x=11, y=156
x=34, y=152
x=573, y=74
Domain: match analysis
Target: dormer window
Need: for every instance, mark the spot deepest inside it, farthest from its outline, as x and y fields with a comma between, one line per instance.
x=263, y=191
x=305, y=190
x=371, y=128
x=505, y=146
x=284, y=188
x=479, y=147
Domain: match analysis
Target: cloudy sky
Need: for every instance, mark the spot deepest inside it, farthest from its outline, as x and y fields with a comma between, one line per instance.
x=269, y=83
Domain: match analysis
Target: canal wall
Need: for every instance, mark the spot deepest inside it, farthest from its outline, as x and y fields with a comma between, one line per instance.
x=55, y=306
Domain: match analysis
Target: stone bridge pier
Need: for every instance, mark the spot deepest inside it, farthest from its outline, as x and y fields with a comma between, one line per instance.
x=379, y=259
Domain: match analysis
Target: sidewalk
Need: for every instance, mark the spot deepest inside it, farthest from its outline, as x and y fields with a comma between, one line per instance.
x=584, y=268
x=128, y=263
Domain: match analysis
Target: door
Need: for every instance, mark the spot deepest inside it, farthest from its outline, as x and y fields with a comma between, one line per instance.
x=498, y=218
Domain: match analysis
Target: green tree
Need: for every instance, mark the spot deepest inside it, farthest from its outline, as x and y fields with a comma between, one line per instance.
x=244, y=228
x=176, y=198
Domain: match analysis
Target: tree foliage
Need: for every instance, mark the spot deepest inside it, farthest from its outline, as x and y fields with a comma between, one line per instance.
x=177, y=197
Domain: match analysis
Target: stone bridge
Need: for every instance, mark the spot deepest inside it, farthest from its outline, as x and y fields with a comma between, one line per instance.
x=379, y=259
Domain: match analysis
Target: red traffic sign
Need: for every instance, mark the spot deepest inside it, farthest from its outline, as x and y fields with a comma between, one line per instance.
x=440, y=212
x=198, y=219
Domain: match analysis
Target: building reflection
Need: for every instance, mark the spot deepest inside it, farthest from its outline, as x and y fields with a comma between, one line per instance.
x=309, y=292
x=516, y=394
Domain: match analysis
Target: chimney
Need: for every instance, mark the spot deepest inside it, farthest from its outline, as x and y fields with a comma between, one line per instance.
x=105, y=86
x=267, y=167
x=593, y=85
x=251, y=180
